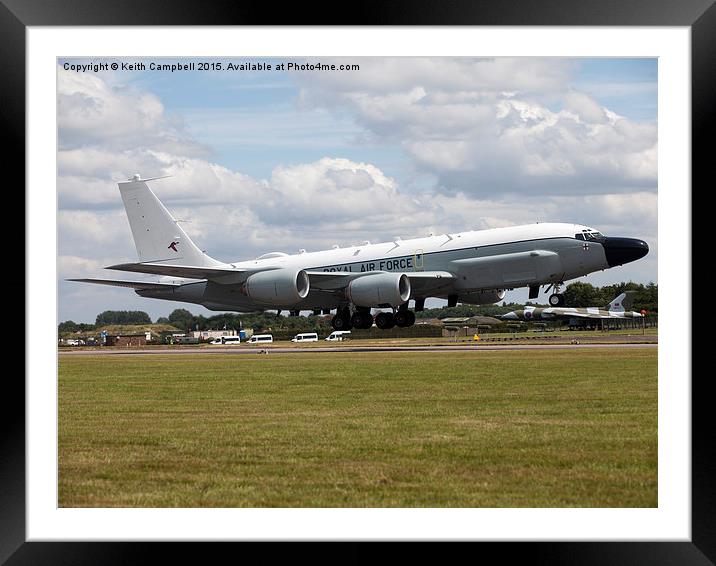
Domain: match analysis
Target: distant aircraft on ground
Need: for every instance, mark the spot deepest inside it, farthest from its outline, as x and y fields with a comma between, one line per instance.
x=614, y=310
x=470, y=267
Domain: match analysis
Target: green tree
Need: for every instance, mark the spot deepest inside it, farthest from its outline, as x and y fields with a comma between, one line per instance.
x=181, y=318
x=122, y=317
x=71, y=326
x=581, y=294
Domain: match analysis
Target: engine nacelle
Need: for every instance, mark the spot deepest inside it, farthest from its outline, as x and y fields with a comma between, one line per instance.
x=278, y=287
x=487, y=297
x=379, y=290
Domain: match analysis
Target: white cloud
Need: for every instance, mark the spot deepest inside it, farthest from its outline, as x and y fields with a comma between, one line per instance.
x=90, y=111
x=74, y=266
x=586, y=109
x=482, y=126
x=449, y=74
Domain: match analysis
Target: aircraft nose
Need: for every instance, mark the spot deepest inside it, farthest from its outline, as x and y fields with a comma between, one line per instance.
x=624, y=250
x=510, y=316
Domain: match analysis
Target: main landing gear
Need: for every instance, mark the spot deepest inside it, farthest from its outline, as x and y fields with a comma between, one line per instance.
x=401, y=319
x=342, y=320
x=385, y=320
x=404, y=318
x=362, y=319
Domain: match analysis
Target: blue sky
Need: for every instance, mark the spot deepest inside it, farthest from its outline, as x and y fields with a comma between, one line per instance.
x=236, y=116
x=448, y=144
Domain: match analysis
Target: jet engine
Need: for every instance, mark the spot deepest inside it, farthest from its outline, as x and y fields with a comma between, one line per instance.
x=486, y=297
x=278, y=287
x=379, y=290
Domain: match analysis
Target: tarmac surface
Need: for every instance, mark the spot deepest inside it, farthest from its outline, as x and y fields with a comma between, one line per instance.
x=338, y=349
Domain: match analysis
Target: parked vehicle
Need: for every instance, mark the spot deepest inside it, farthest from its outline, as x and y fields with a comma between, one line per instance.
x=223, y=340
x=260, y=338
x=338, y=335
x=305, y=337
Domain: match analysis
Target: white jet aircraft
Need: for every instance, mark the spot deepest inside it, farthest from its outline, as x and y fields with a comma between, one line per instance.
x=473, y=267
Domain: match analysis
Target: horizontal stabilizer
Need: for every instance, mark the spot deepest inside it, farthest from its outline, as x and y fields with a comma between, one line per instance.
x=189, y=271
x=131, y=284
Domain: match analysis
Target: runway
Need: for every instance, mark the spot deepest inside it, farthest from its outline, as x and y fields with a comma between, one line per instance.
x=352, y=349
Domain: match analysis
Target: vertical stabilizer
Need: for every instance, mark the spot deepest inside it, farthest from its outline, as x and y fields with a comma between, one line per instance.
x=622, y=302
x=157, y=235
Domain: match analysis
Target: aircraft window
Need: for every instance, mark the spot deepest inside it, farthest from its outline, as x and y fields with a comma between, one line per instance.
x=589, y=235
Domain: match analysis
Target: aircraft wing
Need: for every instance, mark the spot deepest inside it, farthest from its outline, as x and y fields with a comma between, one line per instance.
x=420, y=281
x=131, y=284
x=580, y=314
x=428, y=282
x=219, y=274
x=331, y=280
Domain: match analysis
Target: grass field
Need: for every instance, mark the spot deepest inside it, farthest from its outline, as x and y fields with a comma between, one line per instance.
x=459, y=429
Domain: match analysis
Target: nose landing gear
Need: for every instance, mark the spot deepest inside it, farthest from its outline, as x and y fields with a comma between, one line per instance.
x=556, y=299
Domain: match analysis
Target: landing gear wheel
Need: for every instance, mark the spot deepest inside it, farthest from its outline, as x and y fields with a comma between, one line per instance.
x=385, y=320
x=341, y=321
x=556, y=300
x=363, y=320
x=403, y=319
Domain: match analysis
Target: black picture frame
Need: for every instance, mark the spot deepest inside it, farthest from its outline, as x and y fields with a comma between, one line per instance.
x=17, y=15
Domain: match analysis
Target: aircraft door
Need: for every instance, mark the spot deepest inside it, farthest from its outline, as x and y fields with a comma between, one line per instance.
x=418, y=260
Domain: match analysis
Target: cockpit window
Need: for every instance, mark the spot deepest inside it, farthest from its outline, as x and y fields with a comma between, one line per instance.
x=589, y=235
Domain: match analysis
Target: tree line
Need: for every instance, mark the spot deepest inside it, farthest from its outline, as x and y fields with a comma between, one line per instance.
x=576, y=294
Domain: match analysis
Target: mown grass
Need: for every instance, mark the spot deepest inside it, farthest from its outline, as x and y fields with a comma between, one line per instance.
x=458, y=429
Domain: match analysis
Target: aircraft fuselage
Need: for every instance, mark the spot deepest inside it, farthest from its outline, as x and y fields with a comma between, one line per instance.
x=501, y=258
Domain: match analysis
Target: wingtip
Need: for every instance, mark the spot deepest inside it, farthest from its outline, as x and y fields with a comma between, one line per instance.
x=120, y=266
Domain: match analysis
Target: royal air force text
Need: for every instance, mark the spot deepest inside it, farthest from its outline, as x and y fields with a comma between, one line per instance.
x=383, y=265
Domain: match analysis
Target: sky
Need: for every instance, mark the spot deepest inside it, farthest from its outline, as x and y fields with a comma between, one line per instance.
x=278, y=160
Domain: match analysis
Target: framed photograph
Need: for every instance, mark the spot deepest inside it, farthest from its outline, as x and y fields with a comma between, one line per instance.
x=252, y=155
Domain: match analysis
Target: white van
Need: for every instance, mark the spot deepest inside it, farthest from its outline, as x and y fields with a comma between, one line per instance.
x=226, y=340
x=263, y=338
x=338, y=335
x=306, y=337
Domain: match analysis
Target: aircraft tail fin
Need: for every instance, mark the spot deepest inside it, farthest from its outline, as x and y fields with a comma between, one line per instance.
x=622, y=302
x=157, y=235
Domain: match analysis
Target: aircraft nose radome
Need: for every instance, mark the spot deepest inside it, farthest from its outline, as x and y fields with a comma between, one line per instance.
x=624, y=250
x=509, y=316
